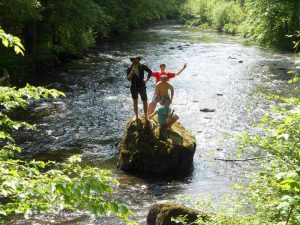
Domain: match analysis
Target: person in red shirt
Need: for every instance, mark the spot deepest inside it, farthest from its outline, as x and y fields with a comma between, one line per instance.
x=157, y=75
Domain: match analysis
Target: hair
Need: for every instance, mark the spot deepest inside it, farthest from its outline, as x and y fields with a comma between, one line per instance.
x=161, y=65
x=167, y=100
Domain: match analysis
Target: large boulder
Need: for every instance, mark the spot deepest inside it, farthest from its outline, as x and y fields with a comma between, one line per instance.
x=151, y=149
x=162, y=214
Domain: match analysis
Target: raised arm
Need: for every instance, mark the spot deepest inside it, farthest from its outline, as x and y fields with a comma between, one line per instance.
x=182, y=69
x=129, y=73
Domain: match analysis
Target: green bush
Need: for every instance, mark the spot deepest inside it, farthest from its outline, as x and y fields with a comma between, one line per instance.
x=266, y=21
x=225, y=16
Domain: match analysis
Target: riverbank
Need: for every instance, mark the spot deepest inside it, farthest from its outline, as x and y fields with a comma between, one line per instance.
x=274, y=24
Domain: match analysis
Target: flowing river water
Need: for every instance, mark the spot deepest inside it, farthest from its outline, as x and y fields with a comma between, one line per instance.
x=223, y=74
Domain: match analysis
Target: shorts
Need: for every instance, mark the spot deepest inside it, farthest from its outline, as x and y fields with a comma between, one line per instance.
x=163, y=98
x=136, y=91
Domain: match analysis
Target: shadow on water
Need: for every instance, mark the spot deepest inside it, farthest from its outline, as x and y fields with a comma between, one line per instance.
x=223, y=74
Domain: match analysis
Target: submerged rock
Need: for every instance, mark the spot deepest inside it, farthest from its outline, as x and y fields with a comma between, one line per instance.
x=207, y=110
x=162, y=214
x=148, y=148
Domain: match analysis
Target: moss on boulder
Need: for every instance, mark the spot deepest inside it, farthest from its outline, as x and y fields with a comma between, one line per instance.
x=162, y=214
x=149, y=148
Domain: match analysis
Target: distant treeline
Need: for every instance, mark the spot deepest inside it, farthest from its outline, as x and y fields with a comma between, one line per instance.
x=264, y=21
x=52, y=30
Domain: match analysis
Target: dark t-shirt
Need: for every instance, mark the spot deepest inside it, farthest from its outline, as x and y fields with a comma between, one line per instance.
x=138, y=81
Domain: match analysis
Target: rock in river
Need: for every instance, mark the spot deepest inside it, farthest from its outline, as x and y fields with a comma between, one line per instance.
x=207, y=110
x=149, y=149
x=161, y=214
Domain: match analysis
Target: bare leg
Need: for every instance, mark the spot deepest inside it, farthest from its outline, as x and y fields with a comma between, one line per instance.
x=171, y=121
x=145, y=105
x=136, y=109
x=151, y=107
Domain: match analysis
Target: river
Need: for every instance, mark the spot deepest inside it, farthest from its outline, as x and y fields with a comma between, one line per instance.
x=223, y=73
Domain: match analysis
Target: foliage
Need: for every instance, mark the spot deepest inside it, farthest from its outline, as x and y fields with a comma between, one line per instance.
x=219, y=15
x=53, y=30
x=29, y=187
x=269, y=21
x=266, y=21
x=35, y=187
x=9, y=40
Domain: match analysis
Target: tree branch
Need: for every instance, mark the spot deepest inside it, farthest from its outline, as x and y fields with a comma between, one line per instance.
x=238, y=160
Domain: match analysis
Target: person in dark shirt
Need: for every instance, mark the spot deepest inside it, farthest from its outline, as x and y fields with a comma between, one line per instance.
x=136, y=74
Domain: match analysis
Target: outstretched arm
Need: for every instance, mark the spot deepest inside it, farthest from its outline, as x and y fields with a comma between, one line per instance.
x=182, y=69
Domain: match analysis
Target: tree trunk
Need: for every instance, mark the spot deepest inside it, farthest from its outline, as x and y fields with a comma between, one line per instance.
x=30, y=34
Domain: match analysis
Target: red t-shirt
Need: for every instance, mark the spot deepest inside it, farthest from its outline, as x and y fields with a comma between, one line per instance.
x=157, y=75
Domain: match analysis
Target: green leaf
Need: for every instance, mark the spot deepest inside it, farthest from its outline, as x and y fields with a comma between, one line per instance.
x=18, y=50
x=3, y=213
x=5, y=42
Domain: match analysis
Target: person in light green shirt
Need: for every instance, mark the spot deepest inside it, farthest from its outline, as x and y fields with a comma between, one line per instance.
x=166, y=116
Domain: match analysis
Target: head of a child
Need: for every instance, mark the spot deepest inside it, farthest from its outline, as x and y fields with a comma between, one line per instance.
x=164, y=78
x=167, y=102
x=162, y=67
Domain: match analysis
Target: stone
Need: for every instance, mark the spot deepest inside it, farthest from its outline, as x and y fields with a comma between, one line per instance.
x=207, y=110
x=148, y=148
x=161, y=214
